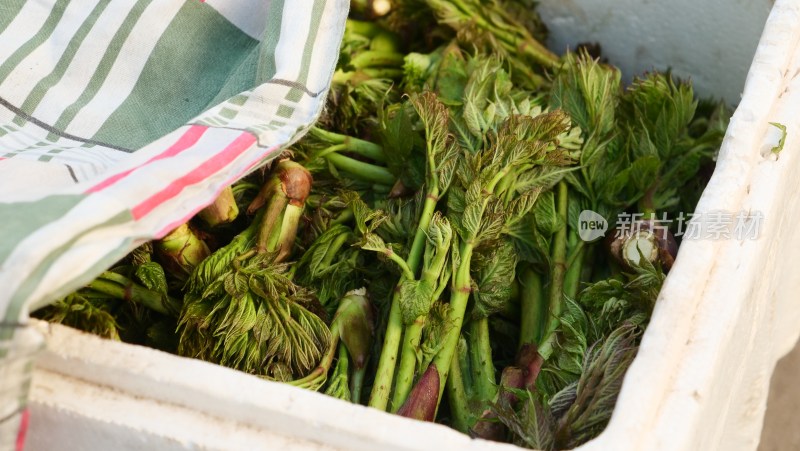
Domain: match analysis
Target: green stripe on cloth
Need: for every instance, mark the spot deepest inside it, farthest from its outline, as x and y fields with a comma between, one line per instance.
x=228, y=113
x=241, y=78
x=257, y=66
x=103, y=68
x=20, y=218
x=266, y=69
x=272, y=35
x=285, y=111
x=34, y=279
x=296, y=94
x=35, y=41
x=239, y=99
x=199, y=45
x=38, y=92
x=260, y=66
x=8, y=12
x=57, y=150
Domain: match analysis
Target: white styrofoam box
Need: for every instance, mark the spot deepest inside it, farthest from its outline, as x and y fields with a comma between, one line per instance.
x=102, y=395
x=16, y=371
x=711, y=41
x=724, y=317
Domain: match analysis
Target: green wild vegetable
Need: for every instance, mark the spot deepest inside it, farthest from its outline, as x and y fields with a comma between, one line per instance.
x=418, y=251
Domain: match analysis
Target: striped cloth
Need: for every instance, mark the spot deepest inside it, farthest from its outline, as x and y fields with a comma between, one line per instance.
x=120, y=119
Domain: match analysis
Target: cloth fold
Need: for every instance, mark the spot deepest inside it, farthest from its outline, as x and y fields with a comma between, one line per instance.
x=120, y=119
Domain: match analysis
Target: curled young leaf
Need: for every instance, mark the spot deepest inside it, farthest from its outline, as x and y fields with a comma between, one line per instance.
x=494, y=276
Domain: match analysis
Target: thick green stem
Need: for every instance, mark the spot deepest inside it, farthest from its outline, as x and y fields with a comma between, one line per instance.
x=481, y=387
x=467, y=375
x=572, y=279
x=457, y=398
x=222, y=211
x=385, y=42
x=525, y=44
x=537, y=52
x=361, y=75
x=532, y=307
x=480, y=349
x=275, y=237
x=264, y=194
x=361, y=170
x=291, y=219
x=462, y=288
x=327, y=135
x=559, y=261
x=384, y=375
x=433, y=274
x=506, y=189
x=120, y=287
x=408, y=362
x=285, y=193
x=343, y=217
x=381, y=388
x=357, y=384
x=334, y=248
x=418, y=245
x=270, y=221
x=331, y=149
x=376, y=58
x=180, y=251
x=364, y=28
x=408, y=273
x=348, y=143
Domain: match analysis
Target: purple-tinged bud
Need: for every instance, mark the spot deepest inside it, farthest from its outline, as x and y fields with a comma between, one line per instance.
x=424, y=397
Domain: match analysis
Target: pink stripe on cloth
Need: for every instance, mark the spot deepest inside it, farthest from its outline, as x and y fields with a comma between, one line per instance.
x=202, y=172
x=173, y=225
x=22, y=433
x=186, y=141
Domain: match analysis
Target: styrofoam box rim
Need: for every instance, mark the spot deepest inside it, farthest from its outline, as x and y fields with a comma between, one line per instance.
x=700, y=379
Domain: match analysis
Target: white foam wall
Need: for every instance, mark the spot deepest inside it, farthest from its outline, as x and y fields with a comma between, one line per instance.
x=711, y=41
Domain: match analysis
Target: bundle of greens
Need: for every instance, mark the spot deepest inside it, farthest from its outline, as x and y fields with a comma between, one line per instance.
x=422, y=251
